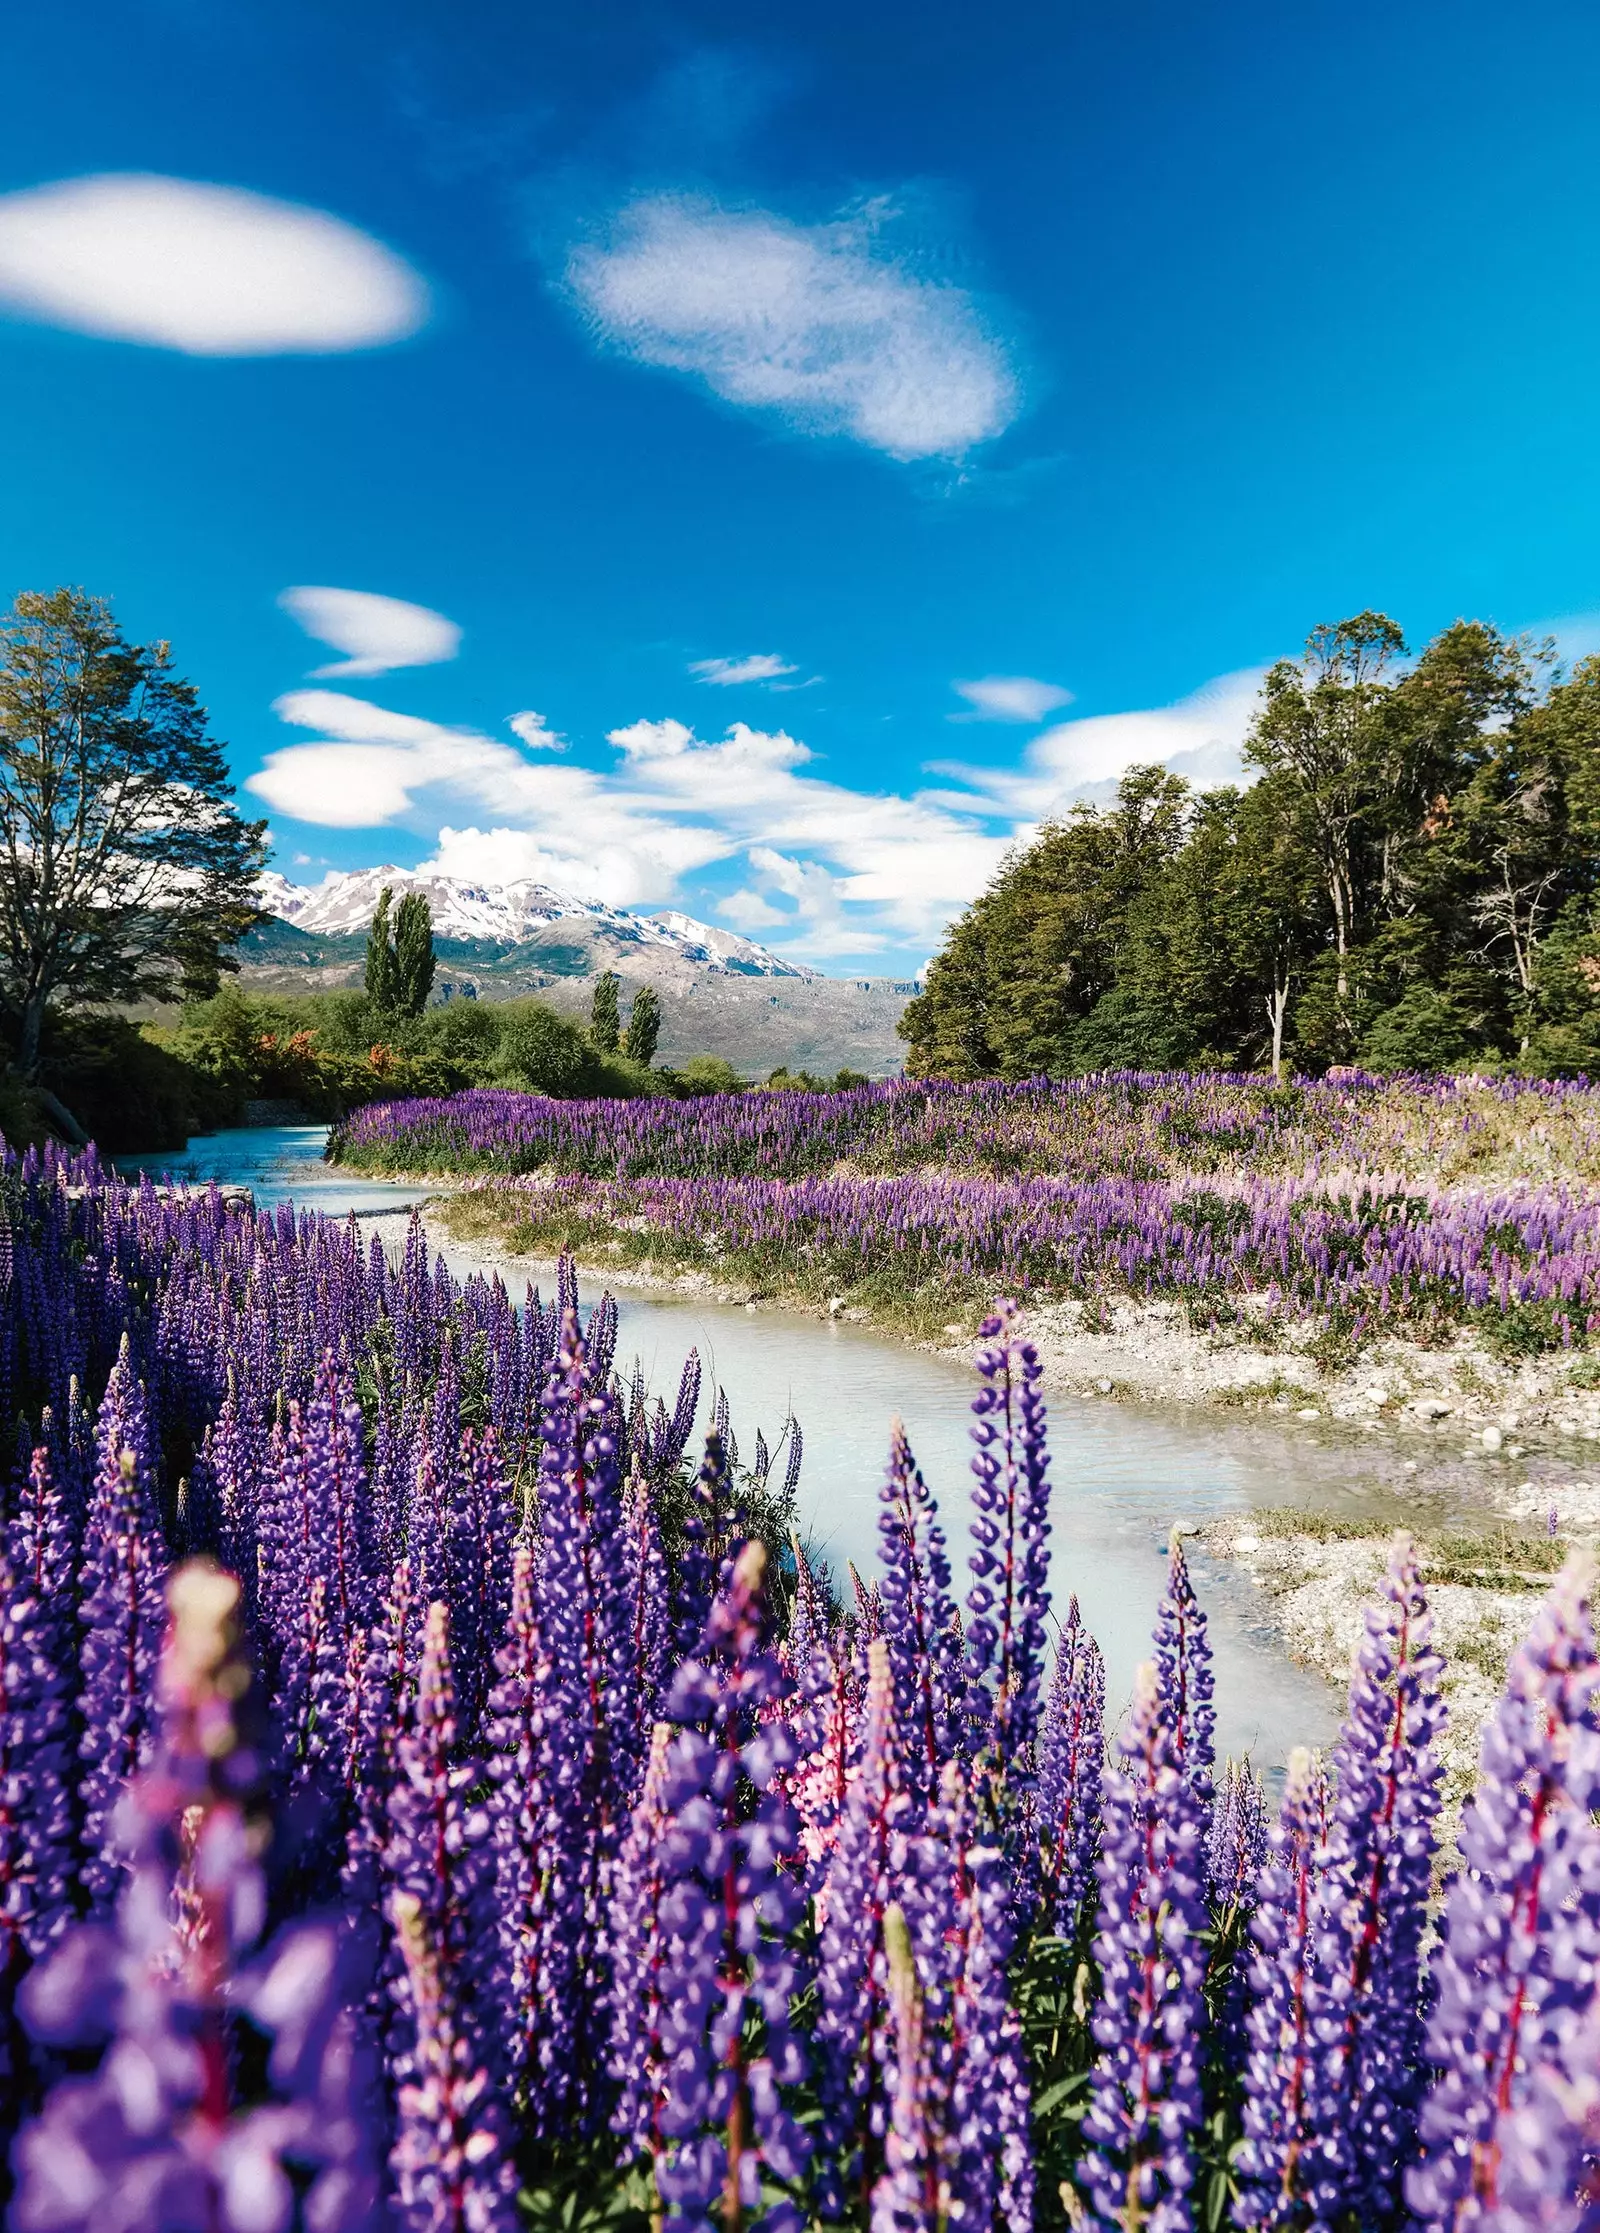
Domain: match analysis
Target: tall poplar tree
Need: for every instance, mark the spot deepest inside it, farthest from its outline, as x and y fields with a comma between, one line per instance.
x=414, y=961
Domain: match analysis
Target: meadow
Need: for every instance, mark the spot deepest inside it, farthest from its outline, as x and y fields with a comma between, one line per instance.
x=1376, y=1205
x=439, y=1793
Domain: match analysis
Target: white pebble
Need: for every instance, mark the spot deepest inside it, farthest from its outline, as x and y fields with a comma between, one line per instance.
x=1492, y=1438
x=1104, y=1387
x=1310, y=1412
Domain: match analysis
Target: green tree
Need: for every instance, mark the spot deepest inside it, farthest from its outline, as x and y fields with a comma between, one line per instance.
x=1321, y=723
x=644, y=1027
x=124, y=869
x=605, y=1013
x=381, y=975
x=414, y=961
x=541, y=1052
x=1028, y=962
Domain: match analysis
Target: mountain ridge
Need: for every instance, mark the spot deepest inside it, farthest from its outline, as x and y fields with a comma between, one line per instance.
x=517, y=914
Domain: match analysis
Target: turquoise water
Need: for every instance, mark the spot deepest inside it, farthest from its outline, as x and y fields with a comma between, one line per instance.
x=1121, y=1476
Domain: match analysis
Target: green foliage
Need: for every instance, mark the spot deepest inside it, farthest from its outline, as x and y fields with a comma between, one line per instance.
x=124, y=870
x=605, y=1013
x=400, y=957
x=541, y=1052
x=1411, y=884
x=644, y=1027
x=707, y=1073
x=785, y=1080
x=380, y=975
x=414, y=962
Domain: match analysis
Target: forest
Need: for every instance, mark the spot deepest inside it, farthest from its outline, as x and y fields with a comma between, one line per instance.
x=1407, y=883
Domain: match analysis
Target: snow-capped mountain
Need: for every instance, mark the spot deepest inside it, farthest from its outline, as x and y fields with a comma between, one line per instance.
x=509, y=915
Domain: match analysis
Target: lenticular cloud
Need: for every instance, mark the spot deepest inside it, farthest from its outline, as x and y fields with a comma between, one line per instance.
x=818, y=323
x=212, y=270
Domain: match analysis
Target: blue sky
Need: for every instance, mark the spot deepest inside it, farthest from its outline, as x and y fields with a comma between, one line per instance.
x=723, y=389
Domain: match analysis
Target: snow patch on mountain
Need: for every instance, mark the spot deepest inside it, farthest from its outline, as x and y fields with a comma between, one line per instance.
x=511, y=914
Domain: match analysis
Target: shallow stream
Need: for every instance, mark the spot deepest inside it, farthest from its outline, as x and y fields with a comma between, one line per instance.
x=1121, y=1476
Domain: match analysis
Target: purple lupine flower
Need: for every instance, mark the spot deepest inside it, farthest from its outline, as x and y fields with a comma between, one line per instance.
x=1237, y=1848
x=712, y=1533
x=1183, y=1662
x=1373, y=1887
x=123, y=1426
x=585, y=1765
x=1067, y=1798
x=730, y=1906
x=1515, y=1973
x=308, y=1707
x=375, y=1723
x=480, y=1570
x=123, y=1612
x=1010, y=1596
x=825, y=1714
x=342, y=1547
x=852, y=1973
x=957, y=1895
x=1547, y=2177
x=649, y=1605
x=156, y=2136
x=1280, y=2072
x=1145, y=2098
x=638, y=1956
x=919, y=1621
x=36, y=1825
x=907, y=2196
x=517, y=1718
x=451, y=2156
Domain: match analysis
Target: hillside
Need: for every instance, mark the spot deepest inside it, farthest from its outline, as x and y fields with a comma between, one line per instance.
x=721, y=994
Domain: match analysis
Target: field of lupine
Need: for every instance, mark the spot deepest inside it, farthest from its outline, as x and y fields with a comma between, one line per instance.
x=432, y=1797
x=1407, y=1205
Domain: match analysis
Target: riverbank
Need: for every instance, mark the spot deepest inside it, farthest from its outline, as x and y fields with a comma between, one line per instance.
x=1319, y=1574
x=1456, y=1401
x=1481, y=1448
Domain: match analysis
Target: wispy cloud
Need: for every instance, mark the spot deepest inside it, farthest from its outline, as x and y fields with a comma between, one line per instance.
x=823, y=325
x=865, y=868
x=759, y=666
x=535, y=732
x=1010, y=698
x=1201, y=737
x=214, y=271
x=377, y=633
x=808, y=864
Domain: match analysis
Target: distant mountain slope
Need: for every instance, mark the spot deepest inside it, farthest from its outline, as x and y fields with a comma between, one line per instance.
x=527, y=916
x=720, y=994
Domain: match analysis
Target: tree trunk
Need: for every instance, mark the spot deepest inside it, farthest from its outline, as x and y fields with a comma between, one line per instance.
x=28, y=1040
x=1277, y=1009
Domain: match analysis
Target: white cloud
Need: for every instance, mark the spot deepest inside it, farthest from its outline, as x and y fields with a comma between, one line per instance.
x=821, y=324
x=1010, y=698
x=820, y=869
x=860, y=866
x=378, y=633
x=535, y=732
x=760, y=666
x=1201, y=737
x=212, y=270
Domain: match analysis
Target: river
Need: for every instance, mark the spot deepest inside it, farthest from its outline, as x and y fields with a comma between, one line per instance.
x=1121, y=1476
